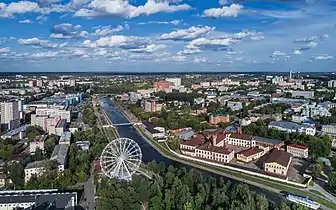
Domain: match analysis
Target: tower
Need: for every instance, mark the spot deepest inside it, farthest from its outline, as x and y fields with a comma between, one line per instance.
x=290, y=74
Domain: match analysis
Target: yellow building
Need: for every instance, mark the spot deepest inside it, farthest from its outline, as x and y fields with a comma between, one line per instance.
x=278, y=162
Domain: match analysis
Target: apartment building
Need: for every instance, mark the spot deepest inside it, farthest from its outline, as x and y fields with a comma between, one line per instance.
x=297, y=150
x=65, y=138
x=37, y=143
x=35, y=168
x=152, y=105
x=10, y=115
x=60, y=154
x=329, y=129
x=304, y=94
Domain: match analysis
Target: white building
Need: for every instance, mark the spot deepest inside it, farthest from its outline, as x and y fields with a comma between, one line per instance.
x=38, y=142
x=155, y=131
x=332, y=83
x=313, y=110
x=291, y=127
x=176, y=81
x=296, y=150
x=10, y=114
x=304, y=94
x=299, y=118
x=276, y=80
x=235, y=105
x=35, y=168
x=329, y=129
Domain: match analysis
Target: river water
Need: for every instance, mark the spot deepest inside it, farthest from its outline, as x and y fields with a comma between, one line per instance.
x=149, y=153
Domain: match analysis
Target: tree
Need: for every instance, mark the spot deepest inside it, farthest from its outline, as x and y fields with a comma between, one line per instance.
x=316, y=170
x=16, y=174
x=332, y=181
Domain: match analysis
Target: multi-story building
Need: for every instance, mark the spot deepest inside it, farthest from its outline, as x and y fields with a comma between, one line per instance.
x=299, y=118
x=315, y=110
x=332, y=83
x=213, y=153
x=161, y=85
x=152, y=105
x=38, y=199
x=278, y=162
x=297, y=150
x=65, y=138
x=60, y=127
x=291, y=127
x=277, y=80
x=175, y=81
x=219, y=116
x=10, y=114
x=37, y=142
x=35, y=168
x=234, y=105
x=304, y=94
x=188, y=147
x=39, y=83
x=329, y=129
x=60, y=154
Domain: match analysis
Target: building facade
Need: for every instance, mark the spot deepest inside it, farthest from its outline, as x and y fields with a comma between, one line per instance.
x=217, y=117
x=278, y=162
x=296, y=150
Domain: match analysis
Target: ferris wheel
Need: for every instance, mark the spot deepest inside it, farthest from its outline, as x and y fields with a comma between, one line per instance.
x=121, y=158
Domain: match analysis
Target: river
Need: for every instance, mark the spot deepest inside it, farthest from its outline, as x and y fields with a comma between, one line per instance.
x=149, y=153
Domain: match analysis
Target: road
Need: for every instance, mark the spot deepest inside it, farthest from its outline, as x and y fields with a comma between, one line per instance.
x=89, y=194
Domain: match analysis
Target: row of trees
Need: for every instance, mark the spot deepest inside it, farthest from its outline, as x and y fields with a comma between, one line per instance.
x=89, y=116
x=277, y=108
x=179, y=189
x=318, y=146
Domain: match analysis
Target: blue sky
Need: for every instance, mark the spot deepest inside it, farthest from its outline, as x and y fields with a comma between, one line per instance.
x=167, y=35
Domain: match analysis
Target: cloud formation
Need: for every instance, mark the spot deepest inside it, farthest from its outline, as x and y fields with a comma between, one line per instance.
x=226, y=11
x=187, y=34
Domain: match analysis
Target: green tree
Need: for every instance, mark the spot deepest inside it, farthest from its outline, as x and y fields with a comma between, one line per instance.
x=317, y=169
x=17, y=174
x=332, y=181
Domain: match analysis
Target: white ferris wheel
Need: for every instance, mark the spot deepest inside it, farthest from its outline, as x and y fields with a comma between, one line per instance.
x=121, y=158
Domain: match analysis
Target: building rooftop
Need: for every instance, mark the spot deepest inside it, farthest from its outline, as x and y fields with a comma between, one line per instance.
x=61, y=200
x=151, y=127
x=268, y=140
x=240, y=136
x=65, y=137
x=219, y=113
x=195, y=141
x=209, y=147
x=285, y=124
x=299, y=146
x=60, y=153
x=61, y=123
x=15, y=132
x=279, y=156
x=40, y=138
x=37, y=164
x=251, y=151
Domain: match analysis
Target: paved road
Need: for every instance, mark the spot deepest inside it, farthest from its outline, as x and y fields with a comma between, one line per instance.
x=88, y=201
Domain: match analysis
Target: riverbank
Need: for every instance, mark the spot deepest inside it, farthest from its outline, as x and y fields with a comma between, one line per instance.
x=267, y=184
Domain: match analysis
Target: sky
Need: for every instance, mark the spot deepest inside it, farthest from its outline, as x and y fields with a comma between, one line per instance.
x=167, y=35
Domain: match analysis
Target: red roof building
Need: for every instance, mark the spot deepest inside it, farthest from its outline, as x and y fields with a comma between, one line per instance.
x=298, y=150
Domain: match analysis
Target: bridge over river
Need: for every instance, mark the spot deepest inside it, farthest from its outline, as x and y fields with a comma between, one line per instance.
x=149, y=153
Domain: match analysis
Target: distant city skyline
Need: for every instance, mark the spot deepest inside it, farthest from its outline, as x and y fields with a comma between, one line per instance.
x=167, y=36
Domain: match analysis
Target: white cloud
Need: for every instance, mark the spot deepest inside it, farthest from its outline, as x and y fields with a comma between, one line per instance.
x=38, y=43
x=223, y=2
x=200, y=60
x=112, y=41
x=179, y=58
x=173, y=22
x=187, y=34
x=4, y=50
x=226, y=11
x=189, y=51
x=67, y=31
x=124, y=9
x=107, y=30
x=213, y=44
x=278, y=53
x=322, y=57
x=151, y=48
x=297, y=52
x=27, y=21
x=44, y=55
x=22, y=7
